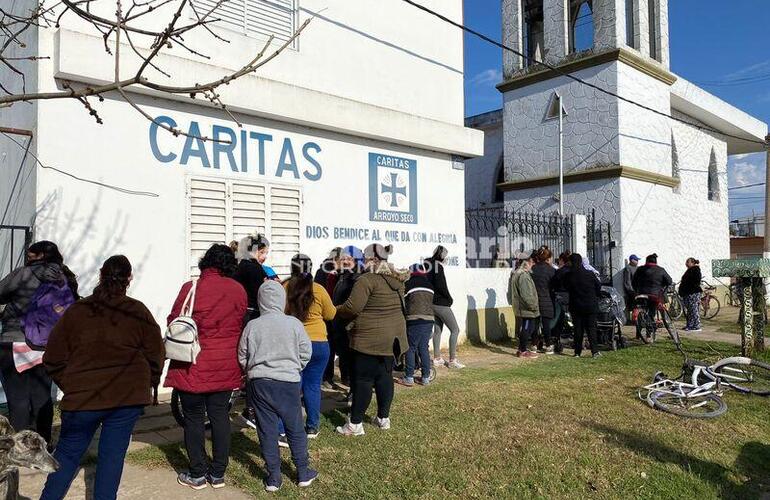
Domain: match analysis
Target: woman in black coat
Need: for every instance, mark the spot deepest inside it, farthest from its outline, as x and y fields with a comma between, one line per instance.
x=542, y=274
x=583, y=287
x=690, y=291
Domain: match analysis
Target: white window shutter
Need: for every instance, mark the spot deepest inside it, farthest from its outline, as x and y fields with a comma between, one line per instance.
x=225, y=210
x=284, y=227
x=263, y=18
x=249, y=213
x=207, y=217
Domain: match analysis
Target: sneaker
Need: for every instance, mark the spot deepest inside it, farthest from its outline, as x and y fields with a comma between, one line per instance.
x=527, y=355
x=196, y=483
x=282, y=441
x=405, y=381
x=312, y=433
x=216, y=482
x=596, y=355
x=382, y=423
x=248, y=417
x=439, y=362
x=532, y=349
x=307, y=478
x=271, y=487
x=549, y=350
x=695, y=330
x=454, y=363
x=351, y=429
x=423, y=381
x=576, y=355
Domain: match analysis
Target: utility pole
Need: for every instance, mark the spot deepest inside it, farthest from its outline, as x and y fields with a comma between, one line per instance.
x=561, y=156
x=766, y=247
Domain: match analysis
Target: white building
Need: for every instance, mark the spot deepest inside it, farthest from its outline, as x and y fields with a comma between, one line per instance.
x=660, y=182
x=350, y=136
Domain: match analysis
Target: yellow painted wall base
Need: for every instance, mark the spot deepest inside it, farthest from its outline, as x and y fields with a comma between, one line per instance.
x=490, y=325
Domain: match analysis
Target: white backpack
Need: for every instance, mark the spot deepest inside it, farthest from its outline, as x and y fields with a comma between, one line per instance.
x=181, y=339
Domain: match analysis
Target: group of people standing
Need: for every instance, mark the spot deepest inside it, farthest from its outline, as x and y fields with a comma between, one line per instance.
x=106, y=353
x=653, y=280
x=543, y=292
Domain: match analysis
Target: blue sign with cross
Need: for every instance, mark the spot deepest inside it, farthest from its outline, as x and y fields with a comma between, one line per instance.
x=392, y=189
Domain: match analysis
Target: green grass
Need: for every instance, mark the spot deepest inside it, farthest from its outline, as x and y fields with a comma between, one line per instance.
x=553, y=428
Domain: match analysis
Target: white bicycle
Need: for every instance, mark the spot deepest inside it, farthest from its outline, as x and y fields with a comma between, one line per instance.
x=697, y=392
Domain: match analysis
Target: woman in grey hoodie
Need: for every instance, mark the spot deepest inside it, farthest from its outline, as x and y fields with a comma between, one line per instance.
x=273, y=350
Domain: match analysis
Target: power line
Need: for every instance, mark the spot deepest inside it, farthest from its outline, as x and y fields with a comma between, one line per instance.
x=572, y=77
x=81, y=179
x=747, y=185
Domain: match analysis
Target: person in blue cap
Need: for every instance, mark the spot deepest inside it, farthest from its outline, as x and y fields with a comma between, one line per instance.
x=628, y=280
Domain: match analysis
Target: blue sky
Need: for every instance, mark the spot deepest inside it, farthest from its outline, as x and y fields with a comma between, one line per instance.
x=711, y=45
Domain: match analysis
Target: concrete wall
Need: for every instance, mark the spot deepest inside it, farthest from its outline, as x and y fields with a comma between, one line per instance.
x=741, y=248
x=17, y=171
x=481, y=173
x=590, y=128
x=91, y=222
x=366, y=51
x=490, y=316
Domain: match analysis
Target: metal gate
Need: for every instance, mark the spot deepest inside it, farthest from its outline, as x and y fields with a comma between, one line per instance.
x=600, y=245
x=14, y=241
x=496, y=235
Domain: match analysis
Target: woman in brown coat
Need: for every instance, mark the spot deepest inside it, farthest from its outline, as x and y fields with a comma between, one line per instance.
x=376, y=304
x=106, y=355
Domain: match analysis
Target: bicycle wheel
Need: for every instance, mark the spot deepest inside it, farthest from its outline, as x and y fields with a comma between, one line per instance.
x=709, y=307
x=641, y=326
x=675, y=306
x=176, y=408
x=744, y=375
x=670, y=327
x=705, y=406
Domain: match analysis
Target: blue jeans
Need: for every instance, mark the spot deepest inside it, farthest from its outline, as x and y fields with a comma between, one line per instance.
x=77, y=431
x=273, y=402
x=311, y=385
x=419, y=334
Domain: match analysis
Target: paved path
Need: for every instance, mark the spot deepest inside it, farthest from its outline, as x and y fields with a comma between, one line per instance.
x=137, y=482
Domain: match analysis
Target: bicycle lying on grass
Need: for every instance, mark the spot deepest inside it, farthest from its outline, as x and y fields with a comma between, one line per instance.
x=697, y=392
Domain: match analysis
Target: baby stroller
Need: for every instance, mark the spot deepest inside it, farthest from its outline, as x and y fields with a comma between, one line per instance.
x=611, y=318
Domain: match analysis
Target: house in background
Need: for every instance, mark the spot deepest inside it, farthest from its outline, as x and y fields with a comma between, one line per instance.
x=658, y=178
x=747, y=237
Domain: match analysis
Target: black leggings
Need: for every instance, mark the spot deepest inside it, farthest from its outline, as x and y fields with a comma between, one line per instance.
x=338, y=345
x=369, y=371
x=30, y=406
x=584, y=323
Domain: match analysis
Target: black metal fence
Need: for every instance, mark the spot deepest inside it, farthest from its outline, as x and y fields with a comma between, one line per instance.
x=14, y=241
x=600, y=245
x=495, y=235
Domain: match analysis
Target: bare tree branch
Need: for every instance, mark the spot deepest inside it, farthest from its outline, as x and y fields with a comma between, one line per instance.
x=123, y=32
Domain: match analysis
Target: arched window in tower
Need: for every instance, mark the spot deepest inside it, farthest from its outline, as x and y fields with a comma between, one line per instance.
x=630, y=22
x=499, y=179
x=581, y=27
x=713, y=177
x=654, y=19
x=675, y=164
x=533, y=37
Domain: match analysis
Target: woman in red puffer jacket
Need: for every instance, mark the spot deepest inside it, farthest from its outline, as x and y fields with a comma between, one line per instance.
x=205, y=386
